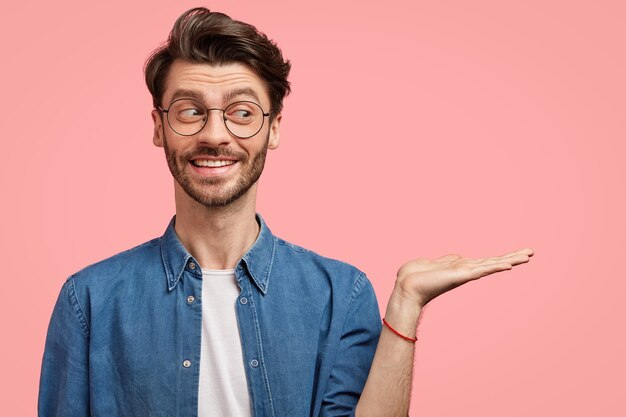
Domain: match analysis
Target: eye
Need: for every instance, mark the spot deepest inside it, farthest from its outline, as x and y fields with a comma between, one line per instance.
x=242, y=112
x=188, y=111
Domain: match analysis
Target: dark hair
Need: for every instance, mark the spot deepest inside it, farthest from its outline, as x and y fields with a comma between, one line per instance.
x=202, y=36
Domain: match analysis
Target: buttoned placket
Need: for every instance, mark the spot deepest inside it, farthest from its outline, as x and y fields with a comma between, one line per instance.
x=189, y=291
x=252, y=345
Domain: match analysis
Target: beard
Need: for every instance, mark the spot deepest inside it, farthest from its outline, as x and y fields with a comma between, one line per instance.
x=214, y=192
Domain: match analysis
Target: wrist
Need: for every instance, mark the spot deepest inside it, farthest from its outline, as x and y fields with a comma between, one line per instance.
x=405, y=294
x=403, y=300
x=403, y=314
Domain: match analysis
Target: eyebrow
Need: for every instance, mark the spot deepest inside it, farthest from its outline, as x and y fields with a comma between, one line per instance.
x=230, y=95
x=188, y=93
x=245, y=91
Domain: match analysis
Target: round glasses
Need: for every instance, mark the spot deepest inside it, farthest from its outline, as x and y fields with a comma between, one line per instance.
x=187, y=117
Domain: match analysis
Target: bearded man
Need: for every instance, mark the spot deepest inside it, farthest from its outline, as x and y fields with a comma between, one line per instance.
x=218, y=316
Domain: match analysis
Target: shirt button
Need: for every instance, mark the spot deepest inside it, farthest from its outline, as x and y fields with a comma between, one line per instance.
x=192, y=265
x=190, y=299
x=186, y=363
x=243, y=300
x=254, y=363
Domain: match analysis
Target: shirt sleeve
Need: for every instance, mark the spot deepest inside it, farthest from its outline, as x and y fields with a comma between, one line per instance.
x=355, y=353
x=64, y=380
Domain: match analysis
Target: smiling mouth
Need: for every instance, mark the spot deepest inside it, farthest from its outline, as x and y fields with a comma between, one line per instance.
x=212, y=163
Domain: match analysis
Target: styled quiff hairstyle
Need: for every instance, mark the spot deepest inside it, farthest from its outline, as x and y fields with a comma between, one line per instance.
x=202, y=36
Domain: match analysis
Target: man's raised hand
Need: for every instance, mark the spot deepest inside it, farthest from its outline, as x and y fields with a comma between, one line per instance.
x=421, y=280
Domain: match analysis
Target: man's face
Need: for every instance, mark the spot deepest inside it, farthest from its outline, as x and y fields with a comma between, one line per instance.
x=234, y=165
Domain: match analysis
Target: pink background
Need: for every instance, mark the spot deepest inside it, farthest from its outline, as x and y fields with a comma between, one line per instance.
x=415, y=129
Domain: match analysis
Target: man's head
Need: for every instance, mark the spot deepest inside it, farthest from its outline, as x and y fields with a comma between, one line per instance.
x=208, y=65
x=202, y=36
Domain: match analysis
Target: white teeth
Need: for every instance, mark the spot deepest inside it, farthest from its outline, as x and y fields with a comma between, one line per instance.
x=211, y=163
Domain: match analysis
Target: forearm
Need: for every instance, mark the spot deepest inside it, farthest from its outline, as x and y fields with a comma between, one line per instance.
x=387, y=390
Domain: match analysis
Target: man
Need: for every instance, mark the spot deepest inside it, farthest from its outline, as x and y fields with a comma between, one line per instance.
x=218, y=316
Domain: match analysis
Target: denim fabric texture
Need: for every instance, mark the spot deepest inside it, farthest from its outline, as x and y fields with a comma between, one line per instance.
x=124, y=337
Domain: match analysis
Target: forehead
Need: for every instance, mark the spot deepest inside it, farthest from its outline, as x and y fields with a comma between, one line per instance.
x=214, y=84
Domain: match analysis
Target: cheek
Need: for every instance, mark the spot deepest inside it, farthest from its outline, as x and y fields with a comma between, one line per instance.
x=172, y=151
x=172, y=154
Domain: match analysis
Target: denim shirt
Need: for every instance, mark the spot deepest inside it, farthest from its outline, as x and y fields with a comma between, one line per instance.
x=124, y=337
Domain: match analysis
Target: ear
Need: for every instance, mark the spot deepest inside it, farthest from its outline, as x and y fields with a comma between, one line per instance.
x=157, y=137
x=275, y=132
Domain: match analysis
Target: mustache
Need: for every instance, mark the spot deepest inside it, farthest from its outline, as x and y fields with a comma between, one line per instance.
x=213, y=152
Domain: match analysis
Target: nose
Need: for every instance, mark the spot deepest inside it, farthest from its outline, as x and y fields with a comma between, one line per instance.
x=214, y=132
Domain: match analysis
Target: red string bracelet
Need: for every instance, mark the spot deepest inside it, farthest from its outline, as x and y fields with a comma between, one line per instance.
x=410, y=339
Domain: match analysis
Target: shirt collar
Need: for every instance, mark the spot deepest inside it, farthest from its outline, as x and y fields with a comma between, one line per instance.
x=258, y=260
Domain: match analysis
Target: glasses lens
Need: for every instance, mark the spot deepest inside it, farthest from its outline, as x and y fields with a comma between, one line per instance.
x=187, y=117
x=244, y=119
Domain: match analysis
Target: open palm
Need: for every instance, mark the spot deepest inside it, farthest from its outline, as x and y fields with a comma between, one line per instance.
x=422, y=280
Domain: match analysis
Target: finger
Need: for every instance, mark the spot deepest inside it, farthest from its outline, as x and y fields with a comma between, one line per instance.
x=468, y=273
x=520, y=252
x=524, y=251
x=527, y=251
x=519, y=259
x=516, y=259
x=505, y=264
x=512, y=261
x=484, y=270
x=519, y=255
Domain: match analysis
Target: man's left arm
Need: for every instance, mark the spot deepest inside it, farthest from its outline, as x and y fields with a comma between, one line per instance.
x=387, y=391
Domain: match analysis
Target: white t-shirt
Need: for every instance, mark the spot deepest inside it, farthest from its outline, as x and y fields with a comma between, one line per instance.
x=223, y=389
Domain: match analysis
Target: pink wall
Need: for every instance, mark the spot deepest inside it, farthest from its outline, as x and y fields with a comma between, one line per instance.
x=414, y=130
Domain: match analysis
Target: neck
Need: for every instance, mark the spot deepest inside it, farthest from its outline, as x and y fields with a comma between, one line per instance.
x=217, y=237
